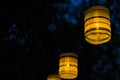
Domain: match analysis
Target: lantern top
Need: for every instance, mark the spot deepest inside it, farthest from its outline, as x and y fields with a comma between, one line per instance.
x=68, y=54
x=53, y=76
x=94, y=8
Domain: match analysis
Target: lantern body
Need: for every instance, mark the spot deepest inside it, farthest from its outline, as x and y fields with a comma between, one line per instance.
x=53, y=77
x=97, y=25
x=68, y=66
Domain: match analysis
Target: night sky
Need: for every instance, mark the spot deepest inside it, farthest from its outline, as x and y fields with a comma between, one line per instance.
x=33, y=34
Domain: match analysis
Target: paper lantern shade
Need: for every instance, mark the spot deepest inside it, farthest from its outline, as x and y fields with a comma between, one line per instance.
x=97, y=25
x=68, y=66
x=53, y=77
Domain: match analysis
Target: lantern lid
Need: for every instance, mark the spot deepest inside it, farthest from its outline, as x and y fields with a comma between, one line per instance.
x=94, y=8
x=53, y=75
x=68, y=54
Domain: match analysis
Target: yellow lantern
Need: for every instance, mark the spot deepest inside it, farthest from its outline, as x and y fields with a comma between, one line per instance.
x=53, y=77
x=97, y=25
x=68, y=65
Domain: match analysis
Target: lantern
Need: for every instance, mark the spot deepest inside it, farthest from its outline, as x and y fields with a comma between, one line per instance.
x=97, y=25
x=68, y=66
x=53, y=77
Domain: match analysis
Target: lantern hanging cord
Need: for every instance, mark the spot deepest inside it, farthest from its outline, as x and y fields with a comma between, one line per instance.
x=74, y=47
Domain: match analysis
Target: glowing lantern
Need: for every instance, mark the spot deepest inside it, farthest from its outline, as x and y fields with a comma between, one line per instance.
x=53, y=77
x=97, y=25
x=68, y=66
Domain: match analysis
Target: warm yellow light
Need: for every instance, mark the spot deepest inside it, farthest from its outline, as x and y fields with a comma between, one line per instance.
x=68, y=66
x=97, y=25
x=53, y=77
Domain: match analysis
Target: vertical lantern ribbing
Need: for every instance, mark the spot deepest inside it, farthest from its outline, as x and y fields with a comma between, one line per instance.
x=68, y=66
x=53, y=77
x=97, y=25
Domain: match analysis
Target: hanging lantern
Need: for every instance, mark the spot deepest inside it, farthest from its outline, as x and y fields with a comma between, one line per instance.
x=97, y=25
x=68, y=66
x=53, y=77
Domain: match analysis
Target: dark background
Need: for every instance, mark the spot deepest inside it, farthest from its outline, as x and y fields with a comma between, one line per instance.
x=33, y=34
